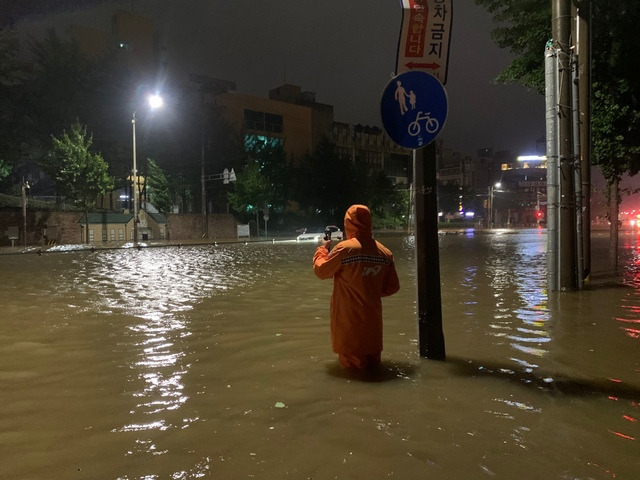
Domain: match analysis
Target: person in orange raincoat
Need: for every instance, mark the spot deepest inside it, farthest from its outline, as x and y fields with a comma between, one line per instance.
x=363, y=272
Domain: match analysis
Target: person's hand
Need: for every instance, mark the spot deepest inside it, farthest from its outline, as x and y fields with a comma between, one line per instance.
x=325, y=243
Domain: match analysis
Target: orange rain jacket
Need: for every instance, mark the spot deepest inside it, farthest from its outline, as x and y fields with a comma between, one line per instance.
x=363, y=271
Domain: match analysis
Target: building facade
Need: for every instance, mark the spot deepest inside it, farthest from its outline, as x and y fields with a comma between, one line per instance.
x=373, y=147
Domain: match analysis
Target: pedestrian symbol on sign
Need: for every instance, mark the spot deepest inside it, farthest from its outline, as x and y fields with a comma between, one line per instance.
x=401, y=96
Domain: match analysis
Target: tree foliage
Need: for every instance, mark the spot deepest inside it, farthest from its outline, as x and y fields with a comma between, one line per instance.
x=616, y=89
x=262, y=183
x=615, y=148
x=252, y=190
x=79, y=175
x=524, y=27
x=157, y=187
x=325, y=184
x=272, y=161
x=615, y=35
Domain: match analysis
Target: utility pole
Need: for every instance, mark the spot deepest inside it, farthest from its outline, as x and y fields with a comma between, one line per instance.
x=207, y=88
x=583, y=46
x=551, y=120
x=203, y=189
x=561, y=27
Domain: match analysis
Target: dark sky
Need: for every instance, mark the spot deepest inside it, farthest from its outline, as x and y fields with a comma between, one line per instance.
x=344, y=51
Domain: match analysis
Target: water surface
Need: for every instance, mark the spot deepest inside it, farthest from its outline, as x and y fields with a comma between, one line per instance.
x=215, y=362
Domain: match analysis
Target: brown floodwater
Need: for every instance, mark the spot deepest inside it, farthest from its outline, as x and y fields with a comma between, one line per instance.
x=214, y=362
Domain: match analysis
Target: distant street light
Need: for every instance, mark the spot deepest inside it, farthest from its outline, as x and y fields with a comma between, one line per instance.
x=154, y=101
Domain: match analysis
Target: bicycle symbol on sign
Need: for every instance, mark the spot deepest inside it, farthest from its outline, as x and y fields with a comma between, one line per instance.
x=431, y=125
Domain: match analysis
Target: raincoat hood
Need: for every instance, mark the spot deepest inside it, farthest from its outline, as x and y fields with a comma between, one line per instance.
x=357, y=221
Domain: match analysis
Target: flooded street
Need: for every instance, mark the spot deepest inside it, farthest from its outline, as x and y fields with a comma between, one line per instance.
x=215, y=362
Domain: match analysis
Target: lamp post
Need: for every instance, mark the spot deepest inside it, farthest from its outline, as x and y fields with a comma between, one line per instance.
x=492, y=189
x=155, y=101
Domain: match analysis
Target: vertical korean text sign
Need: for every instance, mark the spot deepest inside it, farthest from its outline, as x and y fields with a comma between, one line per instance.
x=425, y=37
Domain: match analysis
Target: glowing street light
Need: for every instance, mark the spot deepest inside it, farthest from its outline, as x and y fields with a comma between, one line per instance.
x=154, y=101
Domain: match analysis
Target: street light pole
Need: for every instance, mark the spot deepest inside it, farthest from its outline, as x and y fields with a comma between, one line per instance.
x=492, y=189
x=490, y=208
x=134, y=180
x=155, y=101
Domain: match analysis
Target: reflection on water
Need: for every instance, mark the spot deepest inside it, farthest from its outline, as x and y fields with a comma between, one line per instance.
x=215, y=361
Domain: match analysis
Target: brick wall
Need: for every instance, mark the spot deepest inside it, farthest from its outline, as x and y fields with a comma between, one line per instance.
x=63, y=228
x=188, y=226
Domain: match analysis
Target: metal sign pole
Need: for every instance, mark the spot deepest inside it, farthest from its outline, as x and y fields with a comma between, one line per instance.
x=414, y=109
x=430, y=334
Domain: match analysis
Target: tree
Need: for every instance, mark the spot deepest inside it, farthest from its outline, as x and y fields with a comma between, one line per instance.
x=616, y=100
x=79, y=175
x=326, y=183
x=272, y=160
x=614, y=149
x=157, y=187
x=252, y=191
x=615, y=69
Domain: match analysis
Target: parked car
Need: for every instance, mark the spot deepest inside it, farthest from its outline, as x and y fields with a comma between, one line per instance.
x=317, y=233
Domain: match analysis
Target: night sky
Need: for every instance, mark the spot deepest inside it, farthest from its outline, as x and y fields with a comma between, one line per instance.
x=344, y=51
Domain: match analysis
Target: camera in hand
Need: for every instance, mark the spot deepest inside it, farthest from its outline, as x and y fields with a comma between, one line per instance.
x=332, y=231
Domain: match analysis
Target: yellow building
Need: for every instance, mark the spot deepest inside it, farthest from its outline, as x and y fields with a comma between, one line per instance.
x=289, y=115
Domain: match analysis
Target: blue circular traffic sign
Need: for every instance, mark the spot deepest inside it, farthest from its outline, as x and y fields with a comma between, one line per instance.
x=413, y=108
